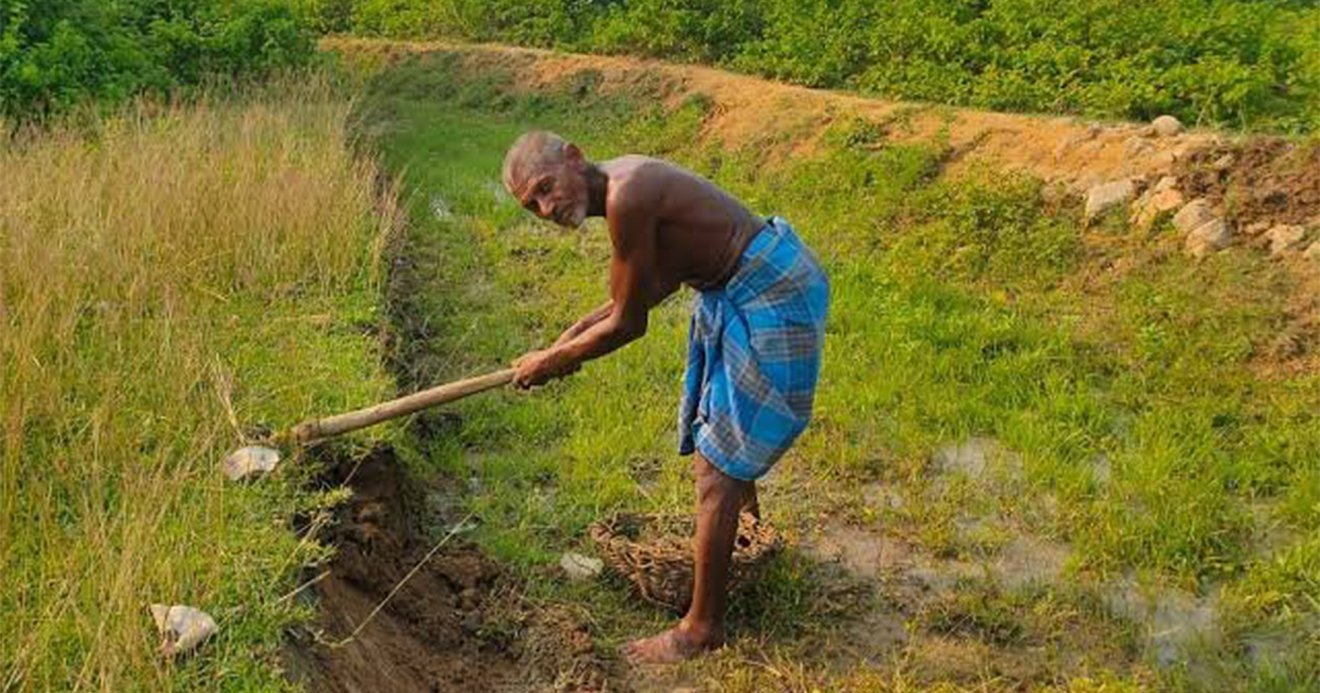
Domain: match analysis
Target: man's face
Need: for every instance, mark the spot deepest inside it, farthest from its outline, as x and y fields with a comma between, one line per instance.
x=556, y=192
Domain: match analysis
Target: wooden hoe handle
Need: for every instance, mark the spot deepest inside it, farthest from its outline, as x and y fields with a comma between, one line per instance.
x=317, y=429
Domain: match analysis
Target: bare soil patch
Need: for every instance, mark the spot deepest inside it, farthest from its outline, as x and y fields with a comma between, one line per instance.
x=458, y=624
x=1266, y=180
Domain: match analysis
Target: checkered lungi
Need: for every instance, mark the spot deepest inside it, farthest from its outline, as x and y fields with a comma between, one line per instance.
x=754, y=354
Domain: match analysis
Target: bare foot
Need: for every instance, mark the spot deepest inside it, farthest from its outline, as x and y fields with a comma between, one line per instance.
x=672, y=646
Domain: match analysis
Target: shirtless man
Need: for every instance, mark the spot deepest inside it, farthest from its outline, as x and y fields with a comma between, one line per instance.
x=755, y=344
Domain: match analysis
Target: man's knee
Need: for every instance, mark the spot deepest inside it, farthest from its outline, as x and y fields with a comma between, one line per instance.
x=710, y=481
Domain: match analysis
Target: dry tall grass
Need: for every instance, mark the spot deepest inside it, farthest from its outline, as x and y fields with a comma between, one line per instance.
x=163, y=280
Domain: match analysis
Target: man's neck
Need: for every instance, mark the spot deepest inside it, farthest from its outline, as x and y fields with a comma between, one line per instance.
x=598, y=183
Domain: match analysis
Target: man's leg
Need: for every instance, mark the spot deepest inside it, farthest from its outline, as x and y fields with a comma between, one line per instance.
x=719, y=499
x=751, y=504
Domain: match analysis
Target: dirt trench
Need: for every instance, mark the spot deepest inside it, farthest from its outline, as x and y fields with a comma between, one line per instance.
x=457, y=624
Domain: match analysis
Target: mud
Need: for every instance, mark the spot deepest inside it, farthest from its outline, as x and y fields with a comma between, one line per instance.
x=965, y=620
x=458, y=624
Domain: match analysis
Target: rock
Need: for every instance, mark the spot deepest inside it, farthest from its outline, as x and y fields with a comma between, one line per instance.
x=1136, y=146
x=1256, y=228
x=1283, y=238
x=182, y=628
x=1161, y=199
x=1193, y=215
x=1209, y=237
x=1313, y=253
x=1163, y=161
x=1167, y=126
x=579, y=567
x=1103, y=198
x=1182, y=151
x=251, y=461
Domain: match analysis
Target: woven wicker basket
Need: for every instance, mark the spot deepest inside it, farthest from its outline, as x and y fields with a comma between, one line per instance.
x=654, y=553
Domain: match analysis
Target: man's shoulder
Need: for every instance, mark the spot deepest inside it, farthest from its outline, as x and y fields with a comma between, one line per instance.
x=634, y=168
x=637, y=183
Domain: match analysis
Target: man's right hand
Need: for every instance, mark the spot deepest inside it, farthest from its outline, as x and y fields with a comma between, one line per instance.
x=540, y=367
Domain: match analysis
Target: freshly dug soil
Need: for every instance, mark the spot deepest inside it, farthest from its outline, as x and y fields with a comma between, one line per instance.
x=1262, y=180
x=456, y=625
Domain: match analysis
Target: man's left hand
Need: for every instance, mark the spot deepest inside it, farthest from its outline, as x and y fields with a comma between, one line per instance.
x=540, y=367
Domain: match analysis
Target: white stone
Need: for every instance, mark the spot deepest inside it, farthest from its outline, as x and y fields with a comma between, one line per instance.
x=1194, y=215
x=578, y=567
x=1167, y=126
x=1256, y=228
x=440, y=209
x=1161, y=199
x=1103, y=198
x=1283, y=238
x=1209, y=237
x=251, y=461
x=1165, y=183
x=182, y=628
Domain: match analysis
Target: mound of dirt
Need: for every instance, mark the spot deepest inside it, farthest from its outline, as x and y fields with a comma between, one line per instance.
x=747, y=110
x=457, y=624
x=1267, y=180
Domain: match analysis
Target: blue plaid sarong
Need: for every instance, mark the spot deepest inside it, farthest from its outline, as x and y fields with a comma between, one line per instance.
x=754, y=356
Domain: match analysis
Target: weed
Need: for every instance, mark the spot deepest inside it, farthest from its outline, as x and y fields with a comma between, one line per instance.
x=168, y=280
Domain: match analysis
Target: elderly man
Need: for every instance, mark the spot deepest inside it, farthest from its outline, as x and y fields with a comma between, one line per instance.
x=755, y=344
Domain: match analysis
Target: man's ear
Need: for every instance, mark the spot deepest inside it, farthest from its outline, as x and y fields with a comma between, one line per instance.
x=573, y=155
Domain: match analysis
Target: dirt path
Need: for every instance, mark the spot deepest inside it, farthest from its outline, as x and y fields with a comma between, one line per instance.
x=1066, y=150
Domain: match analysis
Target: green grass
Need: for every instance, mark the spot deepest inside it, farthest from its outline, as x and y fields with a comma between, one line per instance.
x=1151, y=433
x=171, y=276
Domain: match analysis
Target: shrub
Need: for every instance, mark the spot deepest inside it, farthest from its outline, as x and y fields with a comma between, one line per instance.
x=55, y=54
x=1242, y=63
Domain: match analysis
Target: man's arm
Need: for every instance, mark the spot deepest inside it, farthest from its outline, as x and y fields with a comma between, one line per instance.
x=585, y=322
x=635, y=287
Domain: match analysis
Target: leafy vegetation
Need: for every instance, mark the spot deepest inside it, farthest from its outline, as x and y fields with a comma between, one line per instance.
x=169, y=280
x=56, y=54
x=1241, y=63
x=1146, y=436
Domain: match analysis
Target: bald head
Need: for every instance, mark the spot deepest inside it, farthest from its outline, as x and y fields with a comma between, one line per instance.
x=534, y=152
x=548, y=176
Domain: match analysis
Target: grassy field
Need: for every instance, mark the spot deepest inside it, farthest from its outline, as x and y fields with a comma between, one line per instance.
x=1138, y=419
x=169, y=276
x=1000, y=385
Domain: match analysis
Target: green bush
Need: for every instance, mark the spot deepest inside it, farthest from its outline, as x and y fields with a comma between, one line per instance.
x=55, y=54
x=1242, y=63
